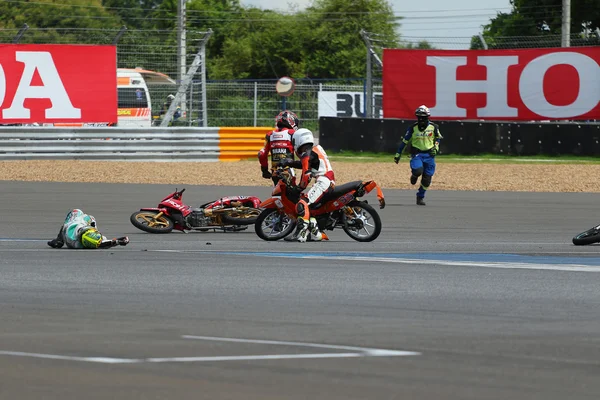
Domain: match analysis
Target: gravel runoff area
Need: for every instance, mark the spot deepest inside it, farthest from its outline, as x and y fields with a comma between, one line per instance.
x=449, y=176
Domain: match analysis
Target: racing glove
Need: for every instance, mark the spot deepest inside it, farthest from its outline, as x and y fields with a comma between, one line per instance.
x=265, y=172
x=293, y=192
x=397, y=158
x=108, y=243
x=286, y=162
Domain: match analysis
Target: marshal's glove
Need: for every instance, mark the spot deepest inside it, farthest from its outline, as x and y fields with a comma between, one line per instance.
x=433, y=151
x=397, y=158
x=265, y=172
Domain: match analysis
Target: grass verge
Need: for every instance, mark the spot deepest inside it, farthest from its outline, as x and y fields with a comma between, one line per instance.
x=455, y=158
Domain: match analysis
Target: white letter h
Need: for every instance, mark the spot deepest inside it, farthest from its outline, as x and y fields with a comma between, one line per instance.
x=495, y=86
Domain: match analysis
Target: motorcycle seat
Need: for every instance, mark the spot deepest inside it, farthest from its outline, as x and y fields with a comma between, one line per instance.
x=341, y=190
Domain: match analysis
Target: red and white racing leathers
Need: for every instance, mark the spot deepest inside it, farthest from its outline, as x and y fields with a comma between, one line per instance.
x=279, y=143
x=315, y=164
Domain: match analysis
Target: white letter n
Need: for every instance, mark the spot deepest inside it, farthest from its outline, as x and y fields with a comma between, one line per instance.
x=495, y=86
x=53, y=88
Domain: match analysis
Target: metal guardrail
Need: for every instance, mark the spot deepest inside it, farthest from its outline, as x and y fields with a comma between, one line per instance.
x=165, y=144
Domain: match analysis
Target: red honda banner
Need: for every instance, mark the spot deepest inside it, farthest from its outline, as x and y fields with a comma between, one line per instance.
x=531, y=84
x=57, y=83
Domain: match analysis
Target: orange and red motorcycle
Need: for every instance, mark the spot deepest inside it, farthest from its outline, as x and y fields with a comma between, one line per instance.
x=340, y=208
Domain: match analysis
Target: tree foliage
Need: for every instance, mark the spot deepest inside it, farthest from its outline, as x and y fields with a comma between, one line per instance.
x=422, y=45
x=322, y=41
x=541, y=18
x=135, y=14
x=61, y=14
x=332, y=35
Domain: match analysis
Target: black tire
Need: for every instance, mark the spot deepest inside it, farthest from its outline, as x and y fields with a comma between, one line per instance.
x=588, y=237
x=247, y=217
x=368, y=218
x=272, y=225
x=147, y=221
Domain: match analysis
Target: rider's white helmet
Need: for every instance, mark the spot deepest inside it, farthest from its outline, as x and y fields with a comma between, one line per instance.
x=301, y=137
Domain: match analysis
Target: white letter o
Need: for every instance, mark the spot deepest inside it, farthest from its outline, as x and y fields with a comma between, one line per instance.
x=531, y=85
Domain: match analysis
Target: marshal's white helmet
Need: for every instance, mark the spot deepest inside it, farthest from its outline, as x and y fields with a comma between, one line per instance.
x=423, y=111
x=301, y=137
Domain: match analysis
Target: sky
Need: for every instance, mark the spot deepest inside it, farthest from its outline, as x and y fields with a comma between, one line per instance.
x=447, y=24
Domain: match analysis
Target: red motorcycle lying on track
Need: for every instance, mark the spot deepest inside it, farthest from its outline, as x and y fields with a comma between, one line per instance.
x=230, y=213
x=340, y=208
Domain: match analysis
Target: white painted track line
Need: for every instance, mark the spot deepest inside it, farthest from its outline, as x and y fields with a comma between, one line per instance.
x=357, y=353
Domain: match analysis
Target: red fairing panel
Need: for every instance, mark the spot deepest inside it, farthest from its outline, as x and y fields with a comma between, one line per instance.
x=226, y=201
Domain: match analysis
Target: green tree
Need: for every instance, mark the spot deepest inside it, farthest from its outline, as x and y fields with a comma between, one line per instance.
x=201, y=15
x=261, y=44
x=66, y=14
x=67, y=21
x=332, y=45
x=321, y=42
x=219, y=15
x=133, y=13
x=422, y=45
x=538, y=18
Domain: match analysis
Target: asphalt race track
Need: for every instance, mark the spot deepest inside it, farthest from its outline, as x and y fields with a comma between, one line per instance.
x=478, y=295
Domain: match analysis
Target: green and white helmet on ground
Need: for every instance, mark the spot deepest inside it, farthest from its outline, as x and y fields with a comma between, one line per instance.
x=91, y=239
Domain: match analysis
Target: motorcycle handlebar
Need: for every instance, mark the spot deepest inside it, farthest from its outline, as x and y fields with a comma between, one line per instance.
x=178, y=194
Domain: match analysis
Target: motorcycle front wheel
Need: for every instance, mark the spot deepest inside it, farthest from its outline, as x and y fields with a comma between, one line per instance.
x=588, y=237
x=272, y=225
x=245, y=216
x=150, y=222
x=364, y=224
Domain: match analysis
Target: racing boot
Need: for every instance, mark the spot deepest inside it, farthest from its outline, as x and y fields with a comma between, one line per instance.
x=413, y=179
x=56, y=243
x=301, y=230
x=315, y=234
x=420, y=201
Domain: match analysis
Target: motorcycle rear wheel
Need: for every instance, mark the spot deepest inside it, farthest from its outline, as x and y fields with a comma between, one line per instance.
x=366, y=225
x=246, y=216
x=273, y=225
x=147, y=221
x=588, y=237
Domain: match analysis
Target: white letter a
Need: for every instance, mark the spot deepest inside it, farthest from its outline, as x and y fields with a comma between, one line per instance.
x=53, y=88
